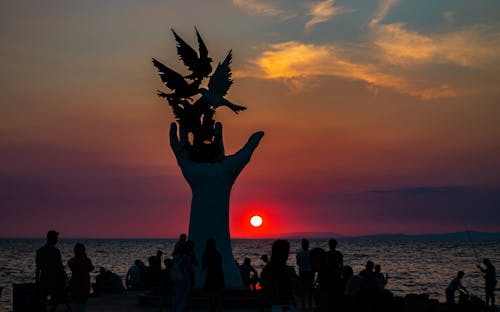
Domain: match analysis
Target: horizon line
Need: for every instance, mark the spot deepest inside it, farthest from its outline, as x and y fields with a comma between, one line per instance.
x=291, y=235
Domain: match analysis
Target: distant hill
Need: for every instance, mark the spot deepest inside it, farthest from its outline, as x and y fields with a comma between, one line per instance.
x=465, y=235
x=311, y=235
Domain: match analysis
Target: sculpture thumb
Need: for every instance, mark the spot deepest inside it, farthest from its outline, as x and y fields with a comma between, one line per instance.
x=252, y=143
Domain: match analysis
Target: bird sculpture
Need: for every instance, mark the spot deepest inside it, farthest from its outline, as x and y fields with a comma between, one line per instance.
x=219, y=84
x=198, y=117
x=174, y=81
x=199, y=64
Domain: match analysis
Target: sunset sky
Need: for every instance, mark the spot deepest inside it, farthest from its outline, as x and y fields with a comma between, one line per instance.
x=379, y=116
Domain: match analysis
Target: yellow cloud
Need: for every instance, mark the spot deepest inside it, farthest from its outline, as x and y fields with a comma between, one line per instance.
x=294, y=60
x=321, y=12
x=258, y=7
x=394, y=57
x=384, y=7
x=476, y=47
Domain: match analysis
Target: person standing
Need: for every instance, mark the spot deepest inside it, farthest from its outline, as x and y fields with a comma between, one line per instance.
x=182, y=241
x=182, y=278
x=80, y=266
x=490, y=280
x=278, y=280
x=214, y=279
x=50, y=276
x=305, y=273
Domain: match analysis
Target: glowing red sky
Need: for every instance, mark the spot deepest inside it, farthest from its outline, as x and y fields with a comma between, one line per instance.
x=380, y=116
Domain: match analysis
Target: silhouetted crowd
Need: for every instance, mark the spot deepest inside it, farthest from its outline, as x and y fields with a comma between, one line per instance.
x=323, y=281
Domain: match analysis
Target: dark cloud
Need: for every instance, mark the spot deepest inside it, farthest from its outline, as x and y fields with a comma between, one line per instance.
x=81, y=192
x=408, y=209
x=422, y=190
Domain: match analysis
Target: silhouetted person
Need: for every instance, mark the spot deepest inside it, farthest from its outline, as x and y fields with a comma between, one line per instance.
x=305, y=273
x=166, y=284
x=335, y=261
x=214, y=279
x=98, y=286
x=381, y=278
x=249, y=275
x=490, y=281
x=154, y=271
x=133, y=279
x=113, y=283
x=278, y=280
x=264, y=259
x=194, y=260
x=353, y=286
x=107, y=282
x=155, y=266
x=347, y=274
x=182, y=278
x=50, y=276
x=182, y=240
x=455, y=285
x=369, y=281
x=323, y=296
x=80, y=266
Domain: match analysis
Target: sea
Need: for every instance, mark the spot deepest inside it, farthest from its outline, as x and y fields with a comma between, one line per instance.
x=415, y=266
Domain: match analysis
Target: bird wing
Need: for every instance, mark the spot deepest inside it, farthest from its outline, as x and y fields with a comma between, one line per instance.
x=234, y=107
x=187, y=54
x=201, y=46
x=170, y=78
x=220, y=82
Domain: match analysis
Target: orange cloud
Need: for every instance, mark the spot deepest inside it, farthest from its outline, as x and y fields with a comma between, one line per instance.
x=258, y=7
x=384, y=7
x=475, y=47
x=294, y=60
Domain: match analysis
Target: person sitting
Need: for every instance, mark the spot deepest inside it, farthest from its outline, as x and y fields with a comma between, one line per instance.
x=133, y=280
x=249, y=275
x=265, y=259
x=455, y=285
x=115, y=284
x=381, y=278
x=98, y=286
x=107, y=282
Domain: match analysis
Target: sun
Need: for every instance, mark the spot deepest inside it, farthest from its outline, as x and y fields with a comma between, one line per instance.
x=256, y=221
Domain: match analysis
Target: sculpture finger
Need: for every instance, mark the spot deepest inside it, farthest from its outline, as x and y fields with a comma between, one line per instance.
x=174, y=140
x=184, y=137
x=218, y=137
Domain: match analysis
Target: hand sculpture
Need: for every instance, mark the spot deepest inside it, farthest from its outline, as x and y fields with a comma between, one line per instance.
x=211, y=184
